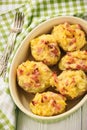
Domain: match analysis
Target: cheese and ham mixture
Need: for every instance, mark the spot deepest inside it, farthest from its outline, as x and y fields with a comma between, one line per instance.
x=70, y=37
x=45, y=48
x=76, y=60
x=71, y=84
x=33, y=76
x=47, y=104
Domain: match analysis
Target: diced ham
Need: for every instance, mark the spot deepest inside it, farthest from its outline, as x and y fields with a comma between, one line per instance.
x=39, y=50
x=73, y=80
x=78, y=26
x=53, y=49
x=35, y=77
x=34, y=103
x=55, y=52
x=63, y=90
x=66, y=24
x=56, y=105
x=84, y=67
x=27, y=84
x=73, y=40
x=36, y=72
x=78, y=66
x=20, y=71
x=66, y=83
x=68, y=53
x=55, y=77
x=44, y=98
x=44, y=41
x=71, y=60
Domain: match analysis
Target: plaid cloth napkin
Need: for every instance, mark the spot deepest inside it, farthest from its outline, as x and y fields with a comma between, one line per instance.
x=35, y=11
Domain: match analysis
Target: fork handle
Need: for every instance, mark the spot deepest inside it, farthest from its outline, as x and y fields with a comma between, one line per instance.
x=6, y=54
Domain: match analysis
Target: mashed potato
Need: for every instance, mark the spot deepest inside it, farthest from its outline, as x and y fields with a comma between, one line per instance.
x=48, y=104
x=45, y=48
x=71, y=84
x=33, y=76
x=76, y=60
x=70, y=37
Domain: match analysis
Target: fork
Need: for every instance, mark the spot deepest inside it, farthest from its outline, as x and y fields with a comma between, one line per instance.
x=16, y=29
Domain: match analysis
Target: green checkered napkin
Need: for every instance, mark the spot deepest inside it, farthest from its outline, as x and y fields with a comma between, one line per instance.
x=35, y=11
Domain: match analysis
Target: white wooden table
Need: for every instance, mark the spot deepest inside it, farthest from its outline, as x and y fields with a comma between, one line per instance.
x=76, y=121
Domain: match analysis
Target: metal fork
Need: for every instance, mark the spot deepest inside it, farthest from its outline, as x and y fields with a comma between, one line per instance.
x=16, y=29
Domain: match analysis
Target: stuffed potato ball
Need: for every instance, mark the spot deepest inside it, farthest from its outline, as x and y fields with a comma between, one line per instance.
x=45, y=48
x=71, y=84
x=33, y=76
x=48, y=104
x=76, y=60
x=70, y=37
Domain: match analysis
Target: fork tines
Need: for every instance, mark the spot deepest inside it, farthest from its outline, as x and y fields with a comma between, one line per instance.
x=19, y=19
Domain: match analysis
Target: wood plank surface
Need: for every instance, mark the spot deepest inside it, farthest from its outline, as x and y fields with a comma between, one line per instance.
x=73, y=122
